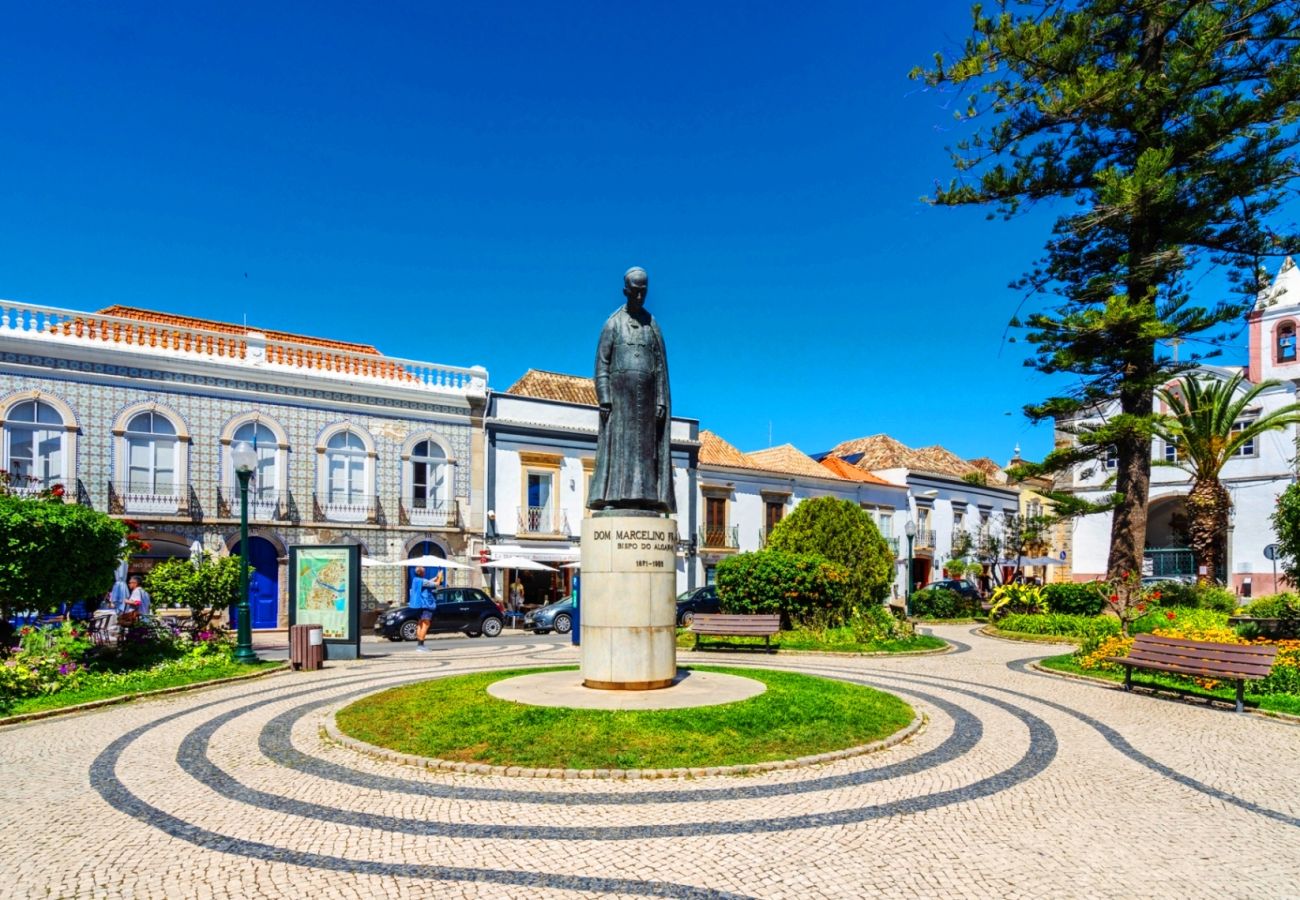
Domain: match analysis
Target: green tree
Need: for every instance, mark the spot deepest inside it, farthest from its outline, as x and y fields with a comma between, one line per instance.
x=843, y=533
x=1286, y=524
x=796, y=585
x=1169, y=127
x=53, y=552
x=205, y=590
x=1202, y=426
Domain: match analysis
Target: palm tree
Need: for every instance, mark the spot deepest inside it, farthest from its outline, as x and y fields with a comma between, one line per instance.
x=1202, y=424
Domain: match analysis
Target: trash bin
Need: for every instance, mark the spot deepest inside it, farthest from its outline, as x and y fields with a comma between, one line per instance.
x=306, y=647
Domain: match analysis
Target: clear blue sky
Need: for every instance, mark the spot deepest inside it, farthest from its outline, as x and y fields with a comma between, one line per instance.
x=466, y=183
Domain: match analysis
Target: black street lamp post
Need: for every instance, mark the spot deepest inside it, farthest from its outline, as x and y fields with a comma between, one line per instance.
x=244, y=459
x=909, y=529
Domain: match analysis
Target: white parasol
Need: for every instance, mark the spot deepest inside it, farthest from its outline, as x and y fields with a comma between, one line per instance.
x=517, y=562
x=430, y=560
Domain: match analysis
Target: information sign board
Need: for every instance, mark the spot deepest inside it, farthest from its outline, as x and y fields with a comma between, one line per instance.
x=325, y=590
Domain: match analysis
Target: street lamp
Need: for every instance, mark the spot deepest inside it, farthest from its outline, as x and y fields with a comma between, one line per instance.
x=244, y=459
x=909, y=529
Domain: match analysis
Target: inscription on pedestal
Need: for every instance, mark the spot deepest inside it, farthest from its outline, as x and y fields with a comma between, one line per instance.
x=633, y=549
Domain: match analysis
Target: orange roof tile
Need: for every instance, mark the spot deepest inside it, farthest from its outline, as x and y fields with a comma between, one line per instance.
x=788, y=460
x=851, y=472
x=717, y=452
x=162, y=318
x=555, y=386
x=880, y=451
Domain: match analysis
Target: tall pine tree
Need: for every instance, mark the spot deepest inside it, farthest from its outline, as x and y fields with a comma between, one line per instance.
x=1170, y=128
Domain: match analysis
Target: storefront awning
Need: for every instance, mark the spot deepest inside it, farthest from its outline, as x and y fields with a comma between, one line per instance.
x=538, y=554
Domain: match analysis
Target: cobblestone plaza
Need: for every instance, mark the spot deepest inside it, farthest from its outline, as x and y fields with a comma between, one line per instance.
x=1021, y=784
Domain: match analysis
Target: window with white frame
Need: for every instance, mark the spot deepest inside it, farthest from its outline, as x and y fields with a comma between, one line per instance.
x=1171, y=452
x=540, y=515
x=33, y=446
x=345, y=470
x=1111, y=458
x=152, y=451
x=1248, y=448
x=429, y=477
x=264, y=486
x=885, y=522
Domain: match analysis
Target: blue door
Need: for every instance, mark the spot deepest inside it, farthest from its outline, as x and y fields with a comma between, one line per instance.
x=425, y=548
x=263, y=584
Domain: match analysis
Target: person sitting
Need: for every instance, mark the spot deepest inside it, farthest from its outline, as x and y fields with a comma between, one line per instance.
x=137, y=600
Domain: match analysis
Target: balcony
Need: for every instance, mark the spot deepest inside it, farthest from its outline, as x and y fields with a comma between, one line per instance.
x=924, y=539
x=264, y=505
x=719, y=537
x=343, y=507
x=537, y=520
x=429, y=513
x=144, y=499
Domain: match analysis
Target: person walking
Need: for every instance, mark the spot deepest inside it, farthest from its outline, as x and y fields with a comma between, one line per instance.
x=424, y=597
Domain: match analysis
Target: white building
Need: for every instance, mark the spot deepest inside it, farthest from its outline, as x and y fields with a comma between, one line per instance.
x=540, y=450
x=945, y=494
x=1254, y=479
x=743, y=495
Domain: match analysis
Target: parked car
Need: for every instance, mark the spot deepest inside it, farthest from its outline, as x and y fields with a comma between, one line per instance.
x=701, y=600
x=957, y=586
x=557, y=617
x=1149, y=580
x=458, y=609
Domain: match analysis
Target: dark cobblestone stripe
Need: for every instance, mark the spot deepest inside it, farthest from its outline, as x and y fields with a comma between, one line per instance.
x=193, y=759
x=276, y=744
x=1117, y=740
x=104, y=780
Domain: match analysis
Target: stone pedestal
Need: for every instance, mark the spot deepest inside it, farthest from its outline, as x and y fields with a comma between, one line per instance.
x=629, y=610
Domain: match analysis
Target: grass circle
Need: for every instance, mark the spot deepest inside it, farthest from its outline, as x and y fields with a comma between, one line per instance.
x=455, y=719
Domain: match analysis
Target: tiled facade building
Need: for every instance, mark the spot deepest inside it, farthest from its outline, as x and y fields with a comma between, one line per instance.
x=135, y=413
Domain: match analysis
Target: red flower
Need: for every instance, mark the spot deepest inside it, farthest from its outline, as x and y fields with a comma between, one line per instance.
x=1155, y=595
x=1114, y=598
x=1170, y=616
x=57, y=490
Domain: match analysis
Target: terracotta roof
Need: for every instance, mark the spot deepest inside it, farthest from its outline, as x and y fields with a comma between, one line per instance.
x=715, y=451
x=555, y=386
x=995, y=472
x=161, y=318
x=880, y=451
x=851, y=472
x=788, y=459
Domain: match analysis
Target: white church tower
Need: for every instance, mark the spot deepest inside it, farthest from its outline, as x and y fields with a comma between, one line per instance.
x=1273, y=325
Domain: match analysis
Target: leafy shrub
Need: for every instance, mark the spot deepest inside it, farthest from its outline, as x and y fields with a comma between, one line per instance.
x=1183, y=617
x=1016, y=598
x=1276, y=606
x=1205, y=596
x=1086, y=627
x=205, y=589
x=1075, y=599
x=843, y=533
x=53, y=552
x=865, y=625
x=941, y=603
x=796, y=585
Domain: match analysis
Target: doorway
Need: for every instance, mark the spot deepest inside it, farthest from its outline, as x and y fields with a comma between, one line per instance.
x=263, y=583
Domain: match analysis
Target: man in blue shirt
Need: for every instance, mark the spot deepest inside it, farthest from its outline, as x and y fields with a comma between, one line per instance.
x=424, y=598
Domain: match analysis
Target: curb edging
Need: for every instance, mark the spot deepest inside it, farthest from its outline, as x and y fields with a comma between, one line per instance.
x=138, y=695
x=331, y=732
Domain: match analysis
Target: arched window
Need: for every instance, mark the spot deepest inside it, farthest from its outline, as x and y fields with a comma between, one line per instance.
x=1286, y=342
x=428, y=477
x=264, y=486
x=33, y=446
x=151, y=455
x=345, y=475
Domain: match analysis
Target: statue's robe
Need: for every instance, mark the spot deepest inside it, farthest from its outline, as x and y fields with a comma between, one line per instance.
x=634, y=468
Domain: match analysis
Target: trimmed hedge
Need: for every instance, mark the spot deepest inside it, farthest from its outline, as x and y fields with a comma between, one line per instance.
x=1075, y=599
x=941, y=603
x=796, y=585
x=1061, y=624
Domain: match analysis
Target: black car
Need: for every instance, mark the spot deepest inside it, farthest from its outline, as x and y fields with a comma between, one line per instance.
x=459, y=609
x=701, y=600
x=957, y=586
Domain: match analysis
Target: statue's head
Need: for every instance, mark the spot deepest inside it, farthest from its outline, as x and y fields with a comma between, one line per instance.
x=635, y=284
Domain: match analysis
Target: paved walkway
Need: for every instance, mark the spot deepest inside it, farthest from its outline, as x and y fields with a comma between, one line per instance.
x=1021, y=785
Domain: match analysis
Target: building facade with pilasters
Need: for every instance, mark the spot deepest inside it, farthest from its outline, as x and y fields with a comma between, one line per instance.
x=135, y=413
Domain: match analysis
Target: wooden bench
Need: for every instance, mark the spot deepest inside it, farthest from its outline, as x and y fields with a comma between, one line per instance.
x=1238, y=662
x=715, y=625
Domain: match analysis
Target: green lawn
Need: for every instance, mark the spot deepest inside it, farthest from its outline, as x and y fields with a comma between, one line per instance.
x=1287, y=703
x=456, y=719
x=837, y=640
x=103, y=686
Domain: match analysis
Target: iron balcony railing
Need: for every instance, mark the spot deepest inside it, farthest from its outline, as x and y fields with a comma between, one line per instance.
x=145, y=498
x=264, y=504
x=720, y=537
x=342, y=506
x=543, y=520
x=429, y=513
x=924, y=539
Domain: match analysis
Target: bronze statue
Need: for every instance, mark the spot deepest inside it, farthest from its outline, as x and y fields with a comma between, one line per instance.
x=634, y=469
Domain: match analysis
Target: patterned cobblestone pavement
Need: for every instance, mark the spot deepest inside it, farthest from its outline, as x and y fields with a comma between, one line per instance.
x=1020, y=785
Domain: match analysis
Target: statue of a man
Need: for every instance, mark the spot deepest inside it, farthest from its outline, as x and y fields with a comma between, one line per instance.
x=634, y=469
